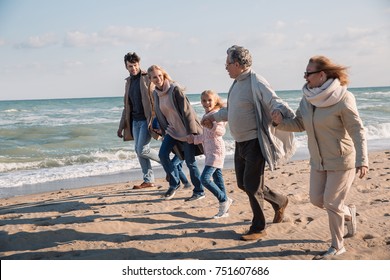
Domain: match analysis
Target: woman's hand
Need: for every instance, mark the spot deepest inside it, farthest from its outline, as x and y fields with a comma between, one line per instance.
x=158, y=131
x=362, y=171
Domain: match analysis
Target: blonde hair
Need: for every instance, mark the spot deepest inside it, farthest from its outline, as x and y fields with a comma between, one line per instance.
x=218, y=100
x=331, y=69
x=165, y=76
x=156, y=67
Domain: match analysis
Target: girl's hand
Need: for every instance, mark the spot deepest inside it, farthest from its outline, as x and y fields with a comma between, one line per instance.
x=190, y=138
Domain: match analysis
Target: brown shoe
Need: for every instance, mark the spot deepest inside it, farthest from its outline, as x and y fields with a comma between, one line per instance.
x=251, y=236
x=279, y=214
x=144, y=185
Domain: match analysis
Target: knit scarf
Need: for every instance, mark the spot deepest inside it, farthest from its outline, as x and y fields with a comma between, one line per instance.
x=326, y=95
x=165, y=88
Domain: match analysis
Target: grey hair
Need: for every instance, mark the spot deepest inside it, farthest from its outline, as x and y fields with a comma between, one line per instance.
x=239, y=54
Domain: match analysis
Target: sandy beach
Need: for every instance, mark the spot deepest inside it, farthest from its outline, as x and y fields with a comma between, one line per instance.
x=115, y=222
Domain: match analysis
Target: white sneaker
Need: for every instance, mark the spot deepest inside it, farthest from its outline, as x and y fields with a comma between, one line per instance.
x=351, y=224
x=223, y=209
x=332, y=251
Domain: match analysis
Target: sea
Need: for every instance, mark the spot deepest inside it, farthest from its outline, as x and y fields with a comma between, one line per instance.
x=57, y=144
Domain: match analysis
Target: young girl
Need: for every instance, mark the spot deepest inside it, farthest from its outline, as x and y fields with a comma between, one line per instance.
x=214, y=150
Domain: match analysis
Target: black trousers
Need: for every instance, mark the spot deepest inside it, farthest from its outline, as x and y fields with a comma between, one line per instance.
x=249, y=165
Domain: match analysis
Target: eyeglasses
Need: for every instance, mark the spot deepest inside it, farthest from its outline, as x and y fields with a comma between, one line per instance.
x=227, y=64
x=307, y=74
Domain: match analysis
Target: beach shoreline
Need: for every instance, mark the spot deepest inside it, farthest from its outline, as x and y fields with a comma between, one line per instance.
x=133, y=174
x=115, y=222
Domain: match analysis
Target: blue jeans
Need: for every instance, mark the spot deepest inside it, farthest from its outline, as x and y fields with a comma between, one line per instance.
x=189, y=157
x=179, y=165
x=142, y=140
x=215, y=186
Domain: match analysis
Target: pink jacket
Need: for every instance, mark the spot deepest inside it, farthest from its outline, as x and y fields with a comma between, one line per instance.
x=213, y=144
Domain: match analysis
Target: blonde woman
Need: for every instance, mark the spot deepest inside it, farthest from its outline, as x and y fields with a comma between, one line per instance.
x=174, y=110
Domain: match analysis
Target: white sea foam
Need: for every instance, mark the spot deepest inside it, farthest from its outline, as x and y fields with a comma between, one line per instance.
x=378, y=131
x=44, y=175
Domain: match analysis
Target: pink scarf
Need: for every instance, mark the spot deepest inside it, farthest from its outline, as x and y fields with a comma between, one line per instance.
x=165, y=88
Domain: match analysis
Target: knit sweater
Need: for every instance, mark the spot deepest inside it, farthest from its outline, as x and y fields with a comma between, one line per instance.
x=276, y=146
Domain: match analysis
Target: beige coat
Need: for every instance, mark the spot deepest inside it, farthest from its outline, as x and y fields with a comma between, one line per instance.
x=125, y=123
x=336, y=136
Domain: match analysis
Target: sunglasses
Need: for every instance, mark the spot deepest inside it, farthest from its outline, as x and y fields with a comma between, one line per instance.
x=307, y=74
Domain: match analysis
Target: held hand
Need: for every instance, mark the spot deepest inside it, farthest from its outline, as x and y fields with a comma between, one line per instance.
x=190, y=138
x=207, y=123
x=276, y=117
x=362, y=171
x=158, y=131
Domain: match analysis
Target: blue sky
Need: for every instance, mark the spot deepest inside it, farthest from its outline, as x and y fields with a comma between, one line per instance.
x=66, y=49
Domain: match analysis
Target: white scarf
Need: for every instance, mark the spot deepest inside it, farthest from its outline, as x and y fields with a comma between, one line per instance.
x=326, y=95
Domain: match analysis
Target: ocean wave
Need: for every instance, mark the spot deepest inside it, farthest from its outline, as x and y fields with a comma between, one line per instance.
x=29, y=177
x=377, y=94
x=378, y=131
x=24, y=163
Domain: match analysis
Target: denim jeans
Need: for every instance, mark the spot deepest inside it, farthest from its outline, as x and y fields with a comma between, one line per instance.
x=179, y=165
x=189, y=157
x=215, y=186
x=142, y=140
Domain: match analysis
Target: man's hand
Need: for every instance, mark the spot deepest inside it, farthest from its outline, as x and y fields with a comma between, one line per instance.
x=207, y=121
x=277, y=117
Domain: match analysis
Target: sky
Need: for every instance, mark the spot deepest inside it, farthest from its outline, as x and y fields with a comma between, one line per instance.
x=74, y=49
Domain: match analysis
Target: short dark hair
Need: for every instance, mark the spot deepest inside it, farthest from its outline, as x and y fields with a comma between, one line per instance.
x=132, y=57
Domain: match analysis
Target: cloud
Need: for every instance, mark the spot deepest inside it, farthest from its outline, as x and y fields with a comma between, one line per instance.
x=352, y=33
x=273, y=39
x=117, y=35
x=35, y=42
x=280, y=24
x=80, y=39
x=349, y=39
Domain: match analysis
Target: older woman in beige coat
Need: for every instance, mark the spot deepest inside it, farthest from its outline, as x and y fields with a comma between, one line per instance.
x=336, y=142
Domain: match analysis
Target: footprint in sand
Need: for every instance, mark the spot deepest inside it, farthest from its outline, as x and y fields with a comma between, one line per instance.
x=308, y=220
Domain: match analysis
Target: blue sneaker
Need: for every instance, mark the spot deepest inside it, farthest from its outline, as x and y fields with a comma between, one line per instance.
x=171, y=193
